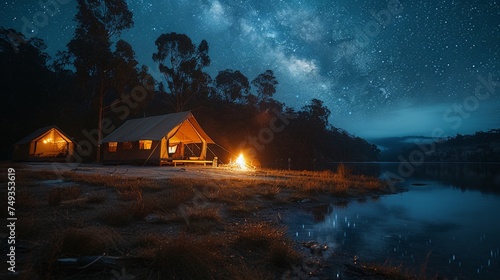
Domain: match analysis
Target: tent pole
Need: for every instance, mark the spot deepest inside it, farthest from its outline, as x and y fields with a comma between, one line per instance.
x=152, y=153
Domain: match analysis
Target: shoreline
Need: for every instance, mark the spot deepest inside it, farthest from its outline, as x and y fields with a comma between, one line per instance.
x=224, y=201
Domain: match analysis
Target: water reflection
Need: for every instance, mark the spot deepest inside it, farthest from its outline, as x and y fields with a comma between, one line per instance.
x=453, y=232
x=484, y=177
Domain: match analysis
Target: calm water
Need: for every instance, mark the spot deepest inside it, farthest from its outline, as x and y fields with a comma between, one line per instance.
x=451, y=219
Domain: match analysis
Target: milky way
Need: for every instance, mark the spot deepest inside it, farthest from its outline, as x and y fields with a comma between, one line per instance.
x=383, y=68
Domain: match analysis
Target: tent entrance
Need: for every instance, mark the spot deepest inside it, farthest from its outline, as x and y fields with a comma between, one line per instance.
x=51, y=144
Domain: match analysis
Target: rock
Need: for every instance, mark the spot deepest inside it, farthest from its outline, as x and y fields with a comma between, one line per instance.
x=152, y=218
x=308, y=244
x=316, y=249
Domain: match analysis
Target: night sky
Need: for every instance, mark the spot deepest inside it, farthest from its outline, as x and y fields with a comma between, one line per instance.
x=382, y=69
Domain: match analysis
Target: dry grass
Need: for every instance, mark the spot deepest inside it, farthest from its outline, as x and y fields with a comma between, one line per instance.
x=174, y=197
x=129, y=193
x=96, y=197
x=202, y=228
x=91, y=240
x=235, y=191
x=202, y=213
x=387, y=272
x=200, y=220
x=266, y=242
x=28, y=227
x=244, y=208
x=117, y=216
x=208, y=257
x=339, y=184
x=270, y=192
x=253, y=236
x=74, y=242
x=112, y=180
x=30, y=178
x=57, y=195
x=187, y=257
x=25, y=199
x=243, y=271
x=142, y=207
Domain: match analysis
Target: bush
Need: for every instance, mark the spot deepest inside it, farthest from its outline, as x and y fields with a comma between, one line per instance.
x=187, y=258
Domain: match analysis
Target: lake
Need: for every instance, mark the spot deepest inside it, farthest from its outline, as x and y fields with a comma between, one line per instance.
x=447, y=221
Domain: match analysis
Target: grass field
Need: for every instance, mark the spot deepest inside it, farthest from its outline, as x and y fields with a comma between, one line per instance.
x=116, y=226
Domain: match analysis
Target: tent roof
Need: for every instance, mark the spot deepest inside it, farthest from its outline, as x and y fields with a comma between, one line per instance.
x=155, y=128
x=40, y=132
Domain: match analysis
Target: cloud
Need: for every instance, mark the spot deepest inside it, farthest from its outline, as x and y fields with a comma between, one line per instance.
x=300, y=67
x=217, y=16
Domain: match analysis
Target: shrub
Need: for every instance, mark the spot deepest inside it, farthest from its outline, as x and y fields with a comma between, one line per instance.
x=266, y=242
x=187, y=258
x=282, y=254
x=256, y=236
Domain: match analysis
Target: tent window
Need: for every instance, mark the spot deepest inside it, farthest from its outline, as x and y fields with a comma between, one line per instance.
x=172, y=149
x=127, y=146
x=112, y=146
x=145, y=144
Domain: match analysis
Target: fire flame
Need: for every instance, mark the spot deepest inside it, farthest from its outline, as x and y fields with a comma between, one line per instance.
x=241, y=162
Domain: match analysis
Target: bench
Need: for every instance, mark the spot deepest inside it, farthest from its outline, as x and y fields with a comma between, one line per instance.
x=204, y=162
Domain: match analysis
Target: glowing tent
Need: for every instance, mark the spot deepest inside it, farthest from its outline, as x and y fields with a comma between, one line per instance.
x=45, y=144
x=172, y=138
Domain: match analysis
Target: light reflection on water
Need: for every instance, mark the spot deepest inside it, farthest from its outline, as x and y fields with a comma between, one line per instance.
x=457, y=230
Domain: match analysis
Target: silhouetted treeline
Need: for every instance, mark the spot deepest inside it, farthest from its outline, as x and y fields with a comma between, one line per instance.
x=98, y=77
x=478, y=147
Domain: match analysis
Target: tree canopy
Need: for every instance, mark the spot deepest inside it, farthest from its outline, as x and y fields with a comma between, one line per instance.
x=231, y=85
x=181, y=62
x=265, y=84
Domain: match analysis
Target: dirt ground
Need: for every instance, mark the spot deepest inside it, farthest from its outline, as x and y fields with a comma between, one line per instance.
x=162, y=172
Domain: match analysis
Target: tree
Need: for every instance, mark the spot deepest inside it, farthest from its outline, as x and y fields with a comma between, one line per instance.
x=317, y=112
x=182, y=63
x=98, y=21
x=231, y=85
x=265, y=85
x=123, y=67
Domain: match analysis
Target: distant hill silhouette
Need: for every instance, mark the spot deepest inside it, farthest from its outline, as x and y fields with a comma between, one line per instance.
x=478, y=147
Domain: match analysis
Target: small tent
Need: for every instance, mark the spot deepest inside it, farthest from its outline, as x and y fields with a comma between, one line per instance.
x=45, y=144
x=157, y=140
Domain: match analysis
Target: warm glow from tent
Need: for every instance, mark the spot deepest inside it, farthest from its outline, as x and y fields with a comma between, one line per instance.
x=241, y=162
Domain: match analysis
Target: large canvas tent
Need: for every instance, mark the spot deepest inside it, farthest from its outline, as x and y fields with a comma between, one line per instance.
x=45, y=144
x=156, y=140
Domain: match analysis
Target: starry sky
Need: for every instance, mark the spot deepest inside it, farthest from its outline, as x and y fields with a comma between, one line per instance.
x=383, y=67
